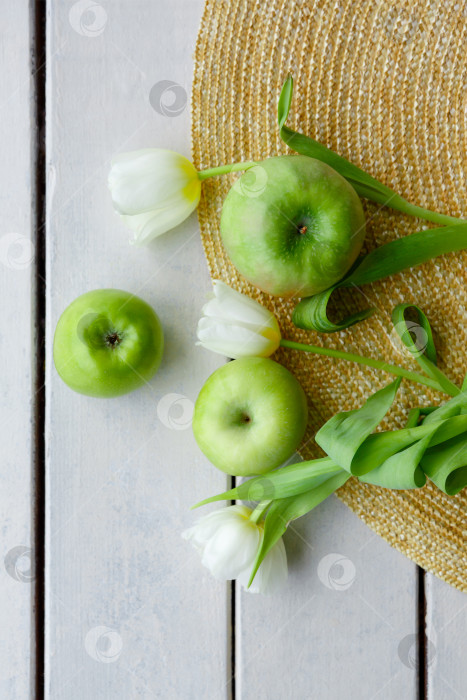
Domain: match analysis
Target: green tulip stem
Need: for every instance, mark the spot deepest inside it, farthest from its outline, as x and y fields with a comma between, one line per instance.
x=224, y=169
x=451, y=389
x=259, y=510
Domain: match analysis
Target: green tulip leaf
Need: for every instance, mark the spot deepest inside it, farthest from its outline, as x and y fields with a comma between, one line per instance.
x=281, y=483
x=284, y=510
x=364, y=184
x=345, y=432
x=422, y=346
x=285, y=100
x=389, y=259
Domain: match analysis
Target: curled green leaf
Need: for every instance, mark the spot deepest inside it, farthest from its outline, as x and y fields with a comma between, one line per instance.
x=389, y=259
x=342, y=435
x=417, y=337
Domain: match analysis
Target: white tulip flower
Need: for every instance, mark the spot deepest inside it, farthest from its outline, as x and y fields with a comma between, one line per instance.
x=153, y=190
x=228, y=541
x=237, y=326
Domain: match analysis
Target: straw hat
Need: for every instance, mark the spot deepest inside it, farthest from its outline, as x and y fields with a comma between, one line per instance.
x=383, y=84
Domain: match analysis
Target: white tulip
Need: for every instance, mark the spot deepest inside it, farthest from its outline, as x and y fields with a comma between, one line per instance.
x=153, y=190
x=228, y=542
x=237, y=326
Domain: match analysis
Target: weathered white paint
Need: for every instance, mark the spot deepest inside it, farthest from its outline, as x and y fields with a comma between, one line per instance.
x=17, y=361
x=130, y=612
x=446, y=631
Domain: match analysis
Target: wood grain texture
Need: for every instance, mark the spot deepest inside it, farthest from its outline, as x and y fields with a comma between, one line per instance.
x=130, y=612
x=16, y=352
x=446, y=641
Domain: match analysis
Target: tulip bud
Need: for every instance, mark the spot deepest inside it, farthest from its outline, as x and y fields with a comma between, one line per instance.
x=237, y=326
x=153, y=190
x=228, y=541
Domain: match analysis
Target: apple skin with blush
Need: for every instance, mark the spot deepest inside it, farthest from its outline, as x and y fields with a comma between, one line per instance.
x=107, y=343
x=292, y=226
x=250, y=416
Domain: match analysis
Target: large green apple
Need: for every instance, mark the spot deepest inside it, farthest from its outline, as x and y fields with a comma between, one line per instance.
x=250, y=416
x=292, y=226
x=107, y=343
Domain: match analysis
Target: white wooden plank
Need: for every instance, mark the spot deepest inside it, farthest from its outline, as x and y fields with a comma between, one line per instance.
x=338, y=628
x=16, y=343
x=129, y=611
x=446, y=621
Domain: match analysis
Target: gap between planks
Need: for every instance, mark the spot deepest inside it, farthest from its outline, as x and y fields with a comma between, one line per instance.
x=38, y=12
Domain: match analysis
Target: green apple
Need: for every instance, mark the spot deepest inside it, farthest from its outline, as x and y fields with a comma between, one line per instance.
x=292, y=226
x=250, y=416
x=107, y=343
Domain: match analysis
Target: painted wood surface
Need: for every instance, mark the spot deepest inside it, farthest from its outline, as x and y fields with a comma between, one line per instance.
x=337, y=629
x=16, y=352
x=446, y=640
x=129, y=610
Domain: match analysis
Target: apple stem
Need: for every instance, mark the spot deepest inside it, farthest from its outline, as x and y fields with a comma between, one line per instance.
x=224, y=169
x=259, y=510
x=370, y=362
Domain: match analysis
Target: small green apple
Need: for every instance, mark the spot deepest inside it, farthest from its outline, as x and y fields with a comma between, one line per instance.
x=292, y=226
x=107, y=343
x=250, y=416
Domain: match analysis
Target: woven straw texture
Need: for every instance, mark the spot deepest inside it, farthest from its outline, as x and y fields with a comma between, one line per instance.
x=384, y=84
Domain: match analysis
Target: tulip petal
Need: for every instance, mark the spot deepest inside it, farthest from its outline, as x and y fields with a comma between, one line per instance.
x=232, y=549
x=271, y=575
x=152, y=178
x=208, y=525
x=233, y=340
x=228, y=303
x=152, y=224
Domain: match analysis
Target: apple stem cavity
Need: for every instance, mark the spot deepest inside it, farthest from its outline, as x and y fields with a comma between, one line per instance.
x=113, y=340
x=224, y=169
x=302, y=229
